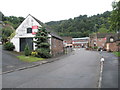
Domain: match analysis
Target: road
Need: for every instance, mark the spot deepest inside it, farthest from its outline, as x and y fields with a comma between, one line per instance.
x=79, y=70
x=110, y=71
x=11, y=62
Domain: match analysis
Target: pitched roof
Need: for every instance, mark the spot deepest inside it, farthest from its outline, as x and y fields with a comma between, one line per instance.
x=103, y=35
x=100, y=35
x=49, y=29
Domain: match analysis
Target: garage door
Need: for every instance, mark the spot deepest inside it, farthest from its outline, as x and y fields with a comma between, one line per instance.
x=24, y=42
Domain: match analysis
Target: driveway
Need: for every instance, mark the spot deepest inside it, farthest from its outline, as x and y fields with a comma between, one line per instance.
x=79, y=70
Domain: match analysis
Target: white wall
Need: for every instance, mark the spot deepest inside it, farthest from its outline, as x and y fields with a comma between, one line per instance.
x=21, y=31
x=27, y=23
x=16, y=41
x=50, y=42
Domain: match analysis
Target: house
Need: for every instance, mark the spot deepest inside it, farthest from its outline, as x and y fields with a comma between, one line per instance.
x=107, y=41
x=67, y=41
x=68, y=47
x=80, y=42
x=26, y=31
x=113, y=42
x=98, y=39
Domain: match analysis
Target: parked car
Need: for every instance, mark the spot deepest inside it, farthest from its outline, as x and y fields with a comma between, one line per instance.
x=100, y=48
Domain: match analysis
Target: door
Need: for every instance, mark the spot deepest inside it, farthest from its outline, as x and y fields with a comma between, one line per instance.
x=24, y=42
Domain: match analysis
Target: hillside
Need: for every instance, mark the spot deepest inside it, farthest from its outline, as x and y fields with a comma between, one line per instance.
x=77, y=27
x=82, y=25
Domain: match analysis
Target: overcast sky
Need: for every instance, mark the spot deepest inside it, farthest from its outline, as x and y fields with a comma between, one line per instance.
x=53, y=10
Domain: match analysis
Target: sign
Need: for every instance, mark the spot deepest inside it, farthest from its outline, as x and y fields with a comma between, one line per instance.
x=34, y=29
x=105, y=38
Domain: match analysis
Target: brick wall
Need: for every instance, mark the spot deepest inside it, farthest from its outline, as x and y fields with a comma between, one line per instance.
x=56, y=46
x=67, y=40
x=112, y=46
x=101, y=42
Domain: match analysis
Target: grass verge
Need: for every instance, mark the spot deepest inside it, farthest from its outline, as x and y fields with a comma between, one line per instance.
x=117, y=54
x=29, y=58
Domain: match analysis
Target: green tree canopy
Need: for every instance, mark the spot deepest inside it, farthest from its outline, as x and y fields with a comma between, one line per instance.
x=42, y=43
x=115, y=17
x=6, y=32
x=82, y=25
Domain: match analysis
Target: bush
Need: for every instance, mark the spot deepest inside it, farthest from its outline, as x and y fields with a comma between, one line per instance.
x=9, y=46
x=34, y=53
x=27, y=50
x=95, y=47
x=43, y=53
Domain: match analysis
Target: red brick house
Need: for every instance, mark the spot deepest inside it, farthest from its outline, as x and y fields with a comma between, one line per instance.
x=113, y=42
x=108, y=41
x=98, y=39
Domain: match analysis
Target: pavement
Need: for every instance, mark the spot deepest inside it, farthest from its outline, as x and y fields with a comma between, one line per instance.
x=78, y=70
x=110, y=70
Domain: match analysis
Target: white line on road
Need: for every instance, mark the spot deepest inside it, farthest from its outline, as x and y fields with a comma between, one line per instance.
x=101, y=70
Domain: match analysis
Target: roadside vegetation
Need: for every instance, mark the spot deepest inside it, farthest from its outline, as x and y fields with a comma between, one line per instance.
x=116, y=54
x=29, y=58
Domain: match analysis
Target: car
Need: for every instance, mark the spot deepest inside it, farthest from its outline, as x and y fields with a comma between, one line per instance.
x=100, y=48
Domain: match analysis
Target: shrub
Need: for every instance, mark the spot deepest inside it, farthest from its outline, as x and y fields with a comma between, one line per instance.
x=95, y=47
x=34, y=53
x=43, y=53
x=9, y=46
x=27, y=50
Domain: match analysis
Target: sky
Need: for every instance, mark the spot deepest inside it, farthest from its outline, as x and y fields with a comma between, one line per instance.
x=54, y=10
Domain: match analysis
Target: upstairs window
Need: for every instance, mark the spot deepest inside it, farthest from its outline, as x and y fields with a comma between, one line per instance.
x=29, y=30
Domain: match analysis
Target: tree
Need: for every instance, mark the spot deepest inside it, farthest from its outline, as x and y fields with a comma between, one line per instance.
x=82, y=25
x=6, y=32
x=103, y=29
x=115, y=16
x=42, y=44
x=27, y=50
x=13, y=20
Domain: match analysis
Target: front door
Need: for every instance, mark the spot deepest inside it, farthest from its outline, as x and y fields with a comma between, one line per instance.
x=24, y=42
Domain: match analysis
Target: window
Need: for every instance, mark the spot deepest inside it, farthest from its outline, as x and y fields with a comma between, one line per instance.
x=111, y=39
x=29, y=30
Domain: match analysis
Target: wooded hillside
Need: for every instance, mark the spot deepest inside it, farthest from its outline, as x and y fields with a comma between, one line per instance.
x=82, y=25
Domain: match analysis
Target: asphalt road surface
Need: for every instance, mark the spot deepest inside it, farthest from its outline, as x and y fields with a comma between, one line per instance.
x=79, y=70
x=11, y=62
x=110, y=71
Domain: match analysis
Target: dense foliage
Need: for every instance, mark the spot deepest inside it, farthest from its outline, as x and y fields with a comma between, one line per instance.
x=9, y=46
x=13, y=20
x=27, y=51
x=83, y=25
x=42, y=44
x=115, y=16
x=6, y=32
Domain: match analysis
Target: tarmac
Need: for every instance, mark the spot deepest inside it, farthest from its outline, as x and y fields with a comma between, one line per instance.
x=17, y=65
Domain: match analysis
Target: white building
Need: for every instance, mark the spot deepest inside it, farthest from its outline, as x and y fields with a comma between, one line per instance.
x=26, y=31
x=80, y=42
